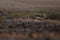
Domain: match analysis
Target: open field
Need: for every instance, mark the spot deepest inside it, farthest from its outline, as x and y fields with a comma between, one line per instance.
x=28, y=4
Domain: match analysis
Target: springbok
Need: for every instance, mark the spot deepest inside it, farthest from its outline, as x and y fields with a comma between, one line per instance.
x=40, y=17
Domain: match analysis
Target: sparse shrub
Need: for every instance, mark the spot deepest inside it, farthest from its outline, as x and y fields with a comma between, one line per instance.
x=53, y=16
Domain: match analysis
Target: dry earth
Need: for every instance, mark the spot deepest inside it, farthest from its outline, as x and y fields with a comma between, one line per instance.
x=28, y=4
